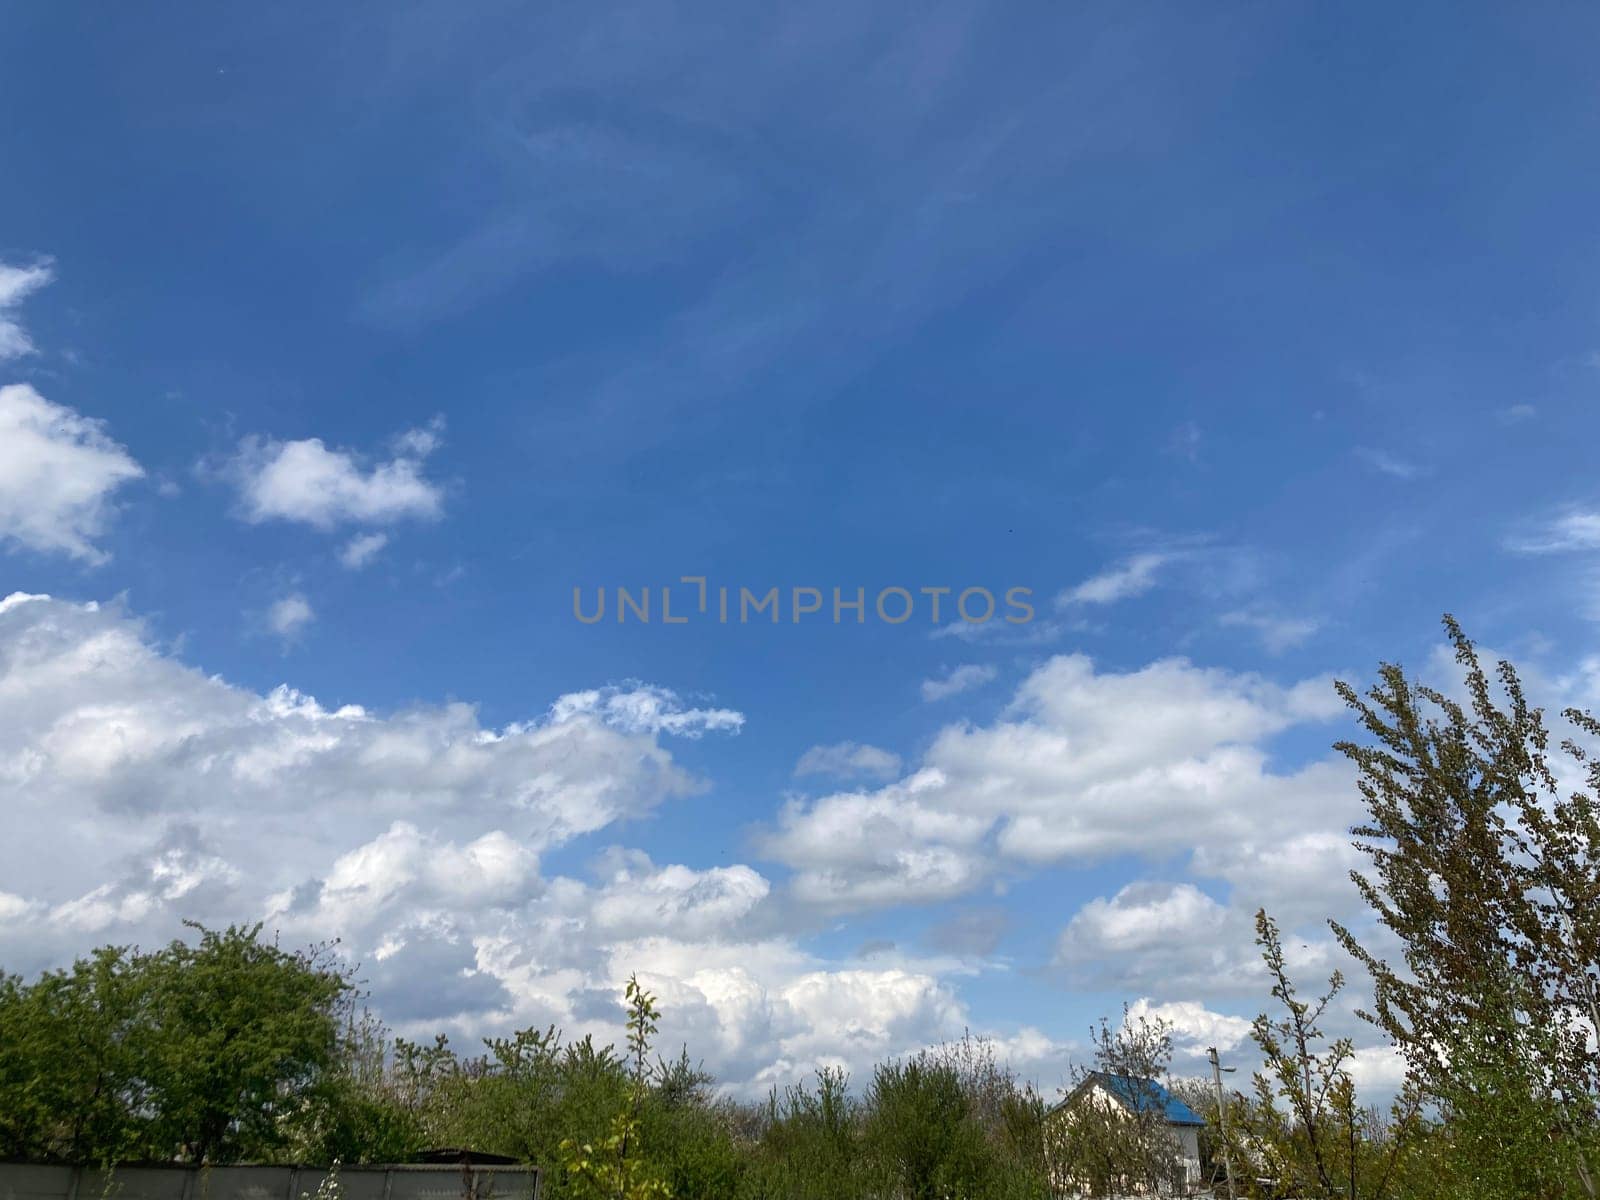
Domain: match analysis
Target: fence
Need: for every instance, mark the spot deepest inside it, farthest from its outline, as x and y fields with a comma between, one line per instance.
x=32, y=1181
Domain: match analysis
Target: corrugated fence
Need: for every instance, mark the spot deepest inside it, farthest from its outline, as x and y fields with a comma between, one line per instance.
x=30, y=1181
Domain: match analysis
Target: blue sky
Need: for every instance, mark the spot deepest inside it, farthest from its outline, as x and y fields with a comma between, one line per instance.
x=1250, y=340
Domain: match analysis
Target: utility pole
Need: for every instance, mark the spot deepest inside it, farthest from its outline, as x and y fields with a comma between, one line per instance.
x=1222, y=1117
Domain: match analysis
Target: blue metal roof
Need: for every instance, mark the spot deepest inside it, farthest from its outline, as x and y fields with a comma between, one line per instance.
x=1145, y=1094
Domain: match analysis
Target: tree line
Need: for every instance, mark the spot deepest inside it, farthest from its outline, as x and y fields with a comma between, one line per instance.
x=1483, y=846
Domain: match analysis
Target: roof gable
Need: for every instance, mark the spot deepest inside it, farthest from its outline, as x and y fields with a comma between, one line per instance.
x=1138, y=1095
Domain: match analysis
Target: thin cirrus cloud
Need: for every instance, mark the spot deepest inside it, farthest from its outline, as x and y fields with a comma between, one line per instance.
x=846, y=760
x=1390, y=464
x=362, y=549
x=960, y=679
x=58, y=473
x=307, y=482
x=16, y=285
x=1132, y=577
x=1276, y=633
x=1574, y=530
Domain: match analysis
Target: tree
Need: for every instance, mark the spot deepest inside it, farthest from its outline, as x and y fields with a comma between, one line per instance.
x=243, y=1034
x=1107, y=1147
x=809, y=1142
x=614, y=1169
x=1488, y=875
x=72, y=1047
x=1321, y=1142
x=209, y=1052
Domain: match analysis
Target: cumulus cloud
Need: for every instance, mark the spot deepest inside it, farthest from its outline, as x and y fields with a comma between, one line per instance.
x=956, y=681
x=100, y=729
x=1082, y=765
x=1132, y=577
x=640, y=899
x=16, y=285
x=421, y=838
x=417, y=838
x=307, y=482
x=1192, y=1026
x=845, y=760
x=1142, y=916
x=58, y=471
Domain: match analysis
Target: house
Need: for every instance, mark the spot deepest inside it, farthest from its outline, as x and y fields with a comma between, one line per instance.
x=1147, y=1100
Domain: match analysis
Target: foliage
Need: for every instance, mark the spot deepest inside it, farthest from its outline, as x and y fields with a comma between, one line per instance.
x=204, y=1053
x=1488, y=875
x=607, y=1170
x=1105, y=1148
x=1484, y=873
x=1305, y=1130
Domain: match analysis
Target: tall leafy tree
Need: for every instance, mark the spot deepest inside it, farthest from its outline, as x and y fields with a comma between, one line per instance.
x=1306, y=1130
x=1486, y=870
x=212, y=1052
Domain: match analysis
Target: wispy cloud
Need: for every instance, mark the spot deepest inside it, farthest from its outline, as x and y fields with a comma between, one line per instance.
x=289, y=616
x=1390, y=464
x=362, y=549
x=16, y=285
x=848, y=760
x=1276, y=633
x=958, y=680
x=1576, y=529
x=1515, y=414
x=1131, y=577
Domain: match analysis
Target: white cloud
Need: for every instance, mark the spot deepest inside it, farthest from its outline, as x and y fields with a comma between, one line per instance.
x=289, y=616
x=1277, y=633
x=1142, y=916
x=1192, y=1026
x=417, y=837
x=640, y=708
x=1389, y=464
x=1082, y=766
x=1576, y=529
x=306, y=482
x=1515, y=414
x=16, y=284
x=956, y=681
x=846, y=760
x=362, y=549
x=97, y=724
x=58, y=471
x=1133, y=577
x=857, y=850
x=640, y=899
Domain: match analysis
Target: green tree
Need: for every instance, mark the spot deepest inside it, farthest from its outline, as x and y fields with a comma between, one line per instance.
x=73, y=1047
x=1306, y=1129
x=614, y=1168
x=210, y=1052
x=808, y=1144
x=1487, y=872
x=242, y=1037
x=1106, y=1148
